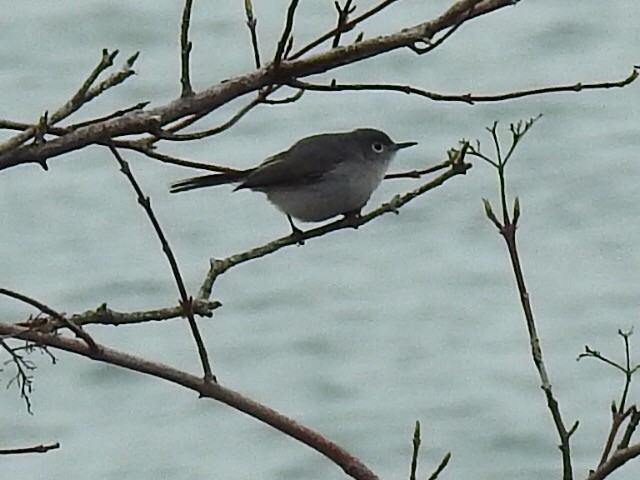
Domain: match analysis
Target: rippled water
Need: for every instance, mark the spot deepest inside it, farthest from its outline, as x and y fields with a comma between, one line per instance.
x=357, y=334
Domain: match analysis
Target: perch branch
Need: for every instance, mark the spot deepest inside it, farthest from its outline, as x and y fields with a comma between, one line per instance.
x=218, y=266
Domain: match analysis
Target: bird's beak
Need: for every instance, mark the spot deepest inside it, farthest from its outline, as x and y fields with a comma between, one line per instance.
x=399, y=146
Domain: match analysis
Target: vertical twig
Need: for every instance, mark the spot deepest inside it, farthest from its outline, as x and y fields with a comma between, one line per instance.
x=286, y=34
x=507, y=228
x=185, y=301
x=185, y=50
x=416, y=445
x=252, y=24
x=343, y=17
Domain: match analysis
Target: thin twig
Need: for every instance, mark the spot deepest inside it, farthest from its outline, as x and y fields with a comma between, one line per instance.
x=22, y=378
x=185, y=300
x=433, y=45
x=116, y=114
x=415, y=443
x=79, y=332
x=507, y=229
x=106, y=316
x=464, y=98
x=174, y=160
x=443, y=463
x=183, y=137
x=185, y=50
x=261, y=98
x=343, y=18
x=619, y=413
x=252, y=24
x=79, y=98
x=286, y=34
x=631, y=428
x=219, y=266
x=417, y=173
x=35, y=449
x=347, y=26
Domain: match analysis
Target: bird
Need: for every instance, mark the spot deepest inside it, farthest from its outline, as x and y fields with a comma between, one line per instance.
x=318, y=178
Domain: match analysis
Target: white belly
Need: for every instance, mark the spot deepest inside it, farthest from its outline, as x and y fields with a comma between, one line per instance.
x=341, y=190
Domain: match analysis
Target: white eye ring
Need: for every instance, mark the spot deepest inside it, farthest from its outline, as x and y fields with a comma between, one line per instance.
x=377, y=147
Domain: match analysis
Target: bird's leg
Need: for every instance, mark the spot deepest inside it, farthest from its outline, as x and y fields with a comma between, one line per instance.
x=352, y=216
x=296, y=233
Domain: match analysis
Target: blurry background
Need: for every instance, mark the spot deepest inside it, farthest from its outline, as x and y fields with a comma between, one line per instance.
x=357, y=334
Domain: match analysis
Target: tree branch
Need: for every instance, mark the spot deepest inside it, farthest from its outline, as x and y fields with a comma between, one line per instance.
x=466, y=97
x=35, y=449
x=185, y=301
x=211, y=98
x=507, y=229
x=185, y=50
x=350, y=464
x=218, y=267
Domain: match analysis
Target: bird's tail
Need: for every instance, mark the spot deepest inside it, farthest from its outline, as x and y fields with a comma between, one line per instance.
x=208, y=181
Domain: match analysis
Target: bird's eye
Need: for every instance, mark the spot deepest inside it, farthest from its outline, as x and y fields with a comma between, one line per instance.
x=377, y=147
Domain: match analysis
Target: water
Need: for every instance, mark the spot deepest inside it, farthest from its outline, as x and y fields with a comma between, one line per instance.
x=357, y=334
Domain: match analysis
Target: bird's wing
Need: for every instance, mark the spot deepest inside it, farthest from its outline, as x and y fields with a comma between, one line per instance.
x=305, y=162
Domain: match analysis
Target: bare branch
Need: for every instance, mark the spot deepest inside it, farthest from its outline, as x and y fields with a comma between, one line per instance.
x=105, y=316
x=210, y=99
x=185, y=50
x=252, y=24
x=52, y=313
x=212, y=131
x=35, y=449
x=507, y=229
x=218, y=267
x=618, y=459
x=415, y=443
x=350, y=464
x=23, y=380
x=186, y=301
x=343, y=18
x=173, y=160
x=443, y=464
x=85, y=93
x=464, y=98
x=286, y=35
x=340, y=29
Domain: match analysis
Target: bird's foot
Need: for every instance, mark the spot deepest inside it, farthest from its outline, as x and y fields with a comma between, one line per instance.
x=352, y=218
x=296, y=234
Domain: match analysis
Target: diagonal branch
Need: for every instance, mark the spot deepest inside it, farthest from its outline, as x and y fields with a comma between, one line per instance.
x=83, y=95
x=211, y=98
x=350, y=464
x=185, y=300
x=218, y=267
x=52, y=313
x=342, y=28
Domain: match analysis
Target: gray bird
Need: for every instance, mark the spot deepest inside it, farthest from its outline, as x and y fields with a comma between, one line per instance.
x=319, y=177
